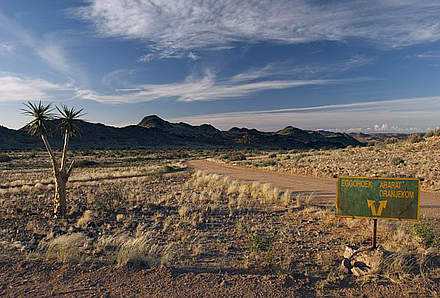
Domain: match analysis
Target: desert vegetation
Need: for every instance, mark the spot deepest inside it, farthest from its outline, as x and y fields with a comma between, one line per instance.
x=38, y=126
x=153, y=216
x=407, y=158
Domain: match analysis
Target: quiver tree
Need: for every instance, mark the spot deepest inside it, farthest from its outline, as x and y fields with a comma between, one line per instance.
x=41, y=115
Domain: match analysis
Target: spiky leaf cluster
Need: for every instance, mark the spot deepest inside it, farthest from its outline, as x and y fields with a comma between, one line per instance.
x=68, y=117
x=40, y=114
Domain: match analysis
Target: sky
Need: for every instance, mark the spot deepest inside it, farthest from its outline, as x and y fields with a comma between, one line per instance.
x=370, y=66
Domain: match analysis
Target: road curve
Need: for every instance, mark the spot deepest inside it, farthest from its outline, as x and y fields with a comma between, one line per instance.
x=323, y=189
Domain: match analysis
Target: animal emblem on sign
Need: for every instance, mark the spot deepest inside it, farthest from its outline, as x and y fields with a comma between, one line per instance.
x=376, y=210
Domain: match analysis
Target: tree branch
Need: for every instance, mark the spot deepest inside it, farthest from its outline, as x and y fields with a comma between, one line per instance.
x=66, y=145
x=70, y=169
x=51, y=154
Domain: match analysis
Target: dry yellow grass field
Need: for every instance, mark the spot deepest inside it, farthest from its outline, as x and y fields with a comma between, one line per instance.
x=152, y=221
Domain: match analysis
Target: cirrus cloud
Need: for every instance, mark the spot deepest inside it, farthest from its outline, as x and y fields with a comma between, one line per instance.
x=180, y=26
x=207, y=88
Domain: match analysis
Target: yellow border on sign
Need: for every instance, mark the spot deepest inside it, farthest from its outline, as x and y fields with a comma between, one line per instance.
x=375, y=217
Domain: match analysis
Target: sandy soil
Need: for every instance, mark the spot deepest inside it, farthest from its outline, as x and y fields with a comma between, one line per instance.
x=312, y=244
x=36, y=279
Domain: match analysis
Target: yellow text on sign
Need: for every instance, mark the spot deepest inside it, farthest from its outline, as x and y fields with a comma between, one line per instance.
x=376, y=210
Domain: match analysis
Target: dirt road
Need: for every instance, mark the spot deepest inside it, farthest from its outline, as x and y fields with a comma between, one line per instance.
x=324, y=190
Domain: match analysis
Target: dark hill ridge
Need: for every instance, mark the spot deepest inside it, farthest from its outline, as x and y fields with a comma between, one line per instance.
x=154, y=132
x=15, y=139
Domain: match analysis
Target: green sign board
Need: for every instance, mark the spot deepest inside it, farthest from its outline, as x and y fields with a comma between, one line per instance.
x=396, y=198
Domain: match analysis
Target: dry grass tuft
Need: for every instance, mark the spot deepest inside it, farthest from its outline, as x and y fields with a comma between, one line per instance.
x=184, y=212
x=85, y=219
x=110, y=243
x=67, y=248
x=138, y=252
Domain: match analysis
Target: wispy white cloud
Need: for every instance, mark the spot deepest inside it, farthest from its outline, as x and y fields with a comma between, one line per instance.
x=207, y=87
x=288, y=69
x=404, y=115
x=273, y=76
x=157, y=54
x=47, y=49
x=171, y=27
x=429, y=55
x=55, y=56
x=119, y=78
x=15, y=88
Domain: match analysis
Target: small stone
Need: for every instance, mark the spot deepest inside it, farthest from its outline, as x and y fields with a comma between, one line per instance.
x=120, y=217
x=346, y=266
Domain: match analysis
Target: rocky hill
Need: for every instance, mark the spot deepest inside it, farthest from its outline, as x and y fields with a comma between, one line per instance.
x=154, y=132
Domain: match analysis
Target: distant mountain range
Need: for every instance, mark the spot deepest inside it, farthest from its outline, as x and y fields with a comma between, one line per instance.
x=154, y=132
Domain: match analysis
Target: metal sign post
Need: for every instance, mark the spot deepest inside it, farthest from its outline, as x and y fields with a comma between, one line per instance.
x=374, y=245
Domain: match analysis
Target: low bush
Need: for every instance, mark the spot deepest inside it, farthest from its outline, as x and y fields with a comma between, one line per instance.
x=395, y=161
x=260, y=242
x=5, y=158
x=267, y=163
x=171, y=169
x=234, y=156
x=415, y=138
x=432, y=133
x=427, y=234
x=85, y=163
x=109, y=199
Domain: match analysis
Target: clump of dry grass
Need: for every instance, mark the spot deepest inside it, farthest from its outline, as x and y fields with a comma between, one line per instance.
x=109, y=198
x=138, y=252
x=402, y=266
x=217, y=189
x=141, y=251
x=85, y=219
x=171, y=253
x=401, y=257
x=110, y=243
x=67, y=248
x=184, y=212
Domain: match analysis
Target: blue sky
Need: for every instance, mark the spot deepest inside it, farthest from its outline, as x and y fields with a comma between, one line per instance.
x=343, y=65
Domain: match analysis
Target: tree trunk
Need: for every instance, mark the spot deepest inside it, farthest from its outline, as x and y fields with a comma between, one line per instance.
x=60, y=203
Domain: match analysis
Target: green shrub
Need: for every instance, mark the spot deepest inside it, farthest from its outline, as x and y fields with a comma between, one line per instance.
x=171, y=169
x=432, y=133
x=415, y=138
x=234, y=156
x=260, y=242
x=397, y=161
x=267, y=163
x=427, y=234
